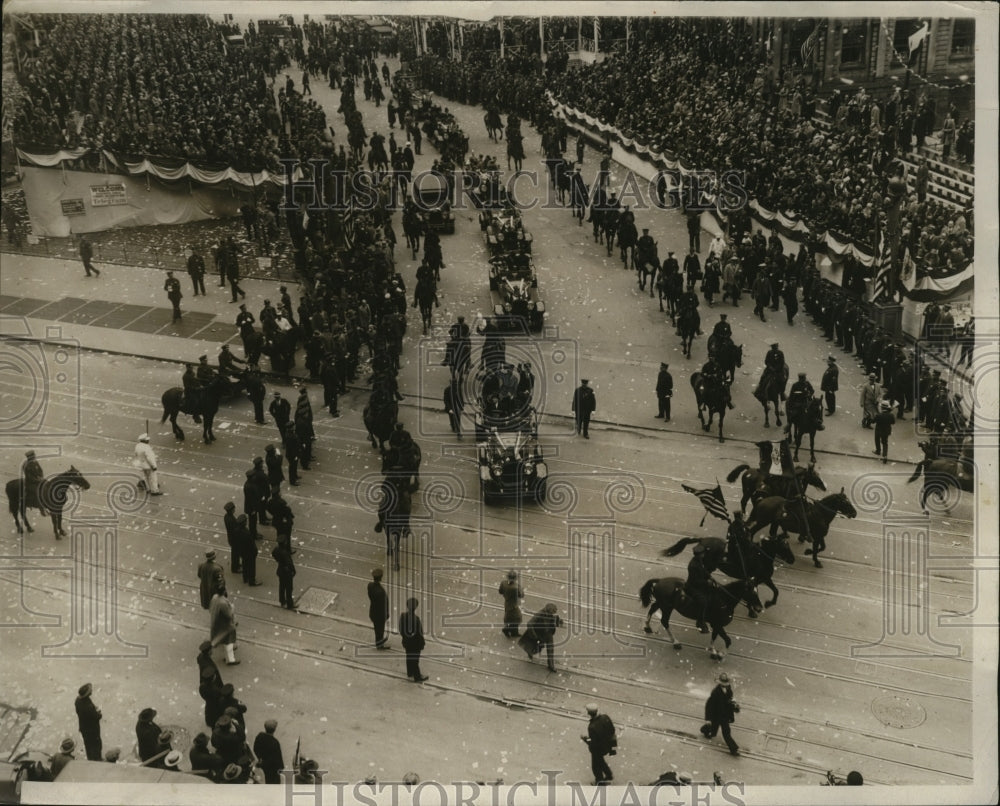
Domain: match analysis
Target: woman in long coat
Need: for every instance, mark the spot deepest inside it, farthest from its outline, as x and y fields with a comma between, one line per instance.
x=870, y=396
x=224, y=624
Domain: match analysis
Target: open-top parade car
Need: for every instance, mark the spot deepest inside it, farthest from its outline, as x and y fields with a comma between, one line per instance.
x=505, y=231
x=511, y=464
x=514, y=292
x=433, y=198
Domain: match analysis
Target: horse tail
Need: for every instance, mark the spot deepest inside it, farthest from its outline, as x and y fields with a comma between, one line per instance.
x=916, y=472
x=736, y=472
x=646, y=594
x=679, y=546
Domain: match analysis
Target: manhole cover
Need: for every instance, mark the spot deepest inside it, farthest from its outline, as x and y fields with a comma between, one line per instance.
x=316, y=601
x=898, y=712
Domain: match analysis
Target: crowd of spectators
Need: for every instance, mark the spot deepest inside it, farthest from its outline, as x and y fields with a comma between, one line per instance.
x=702, y=91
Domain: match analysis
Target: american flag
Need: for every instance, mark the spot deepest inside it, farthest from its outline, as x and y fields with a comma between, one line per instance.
x=809, y=46
x=883, y=267
x=348, y=219
x=713, y=501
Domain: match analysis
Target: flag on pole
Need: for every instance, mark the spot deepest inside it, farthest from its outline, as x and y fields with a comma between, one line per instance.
x=883, y=267
x=809, y=46
x=713, y=501
x=347, y=217
x=918, y=36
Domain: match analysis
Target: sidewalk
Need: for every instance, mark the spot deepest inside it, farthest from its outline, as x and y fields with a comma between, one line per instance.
x=124, y=310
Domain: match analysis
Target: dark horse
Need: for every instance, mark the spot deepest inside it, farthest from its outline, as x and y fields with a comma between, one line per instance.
x=609, y=227
x=494, y=126
x=203, y=408
x=628, y=236
x=810, y=520
x=770, y=390
x=394, y=514
x=403, y=463
x=727, y=355
x=413, y=228
x=785, y=486
x=806, y=420
x=52, y=497
x=713, y=396
x=945, y=472
x=688, y=323
x=380, y=417
x=667, y=595
x=741, y=561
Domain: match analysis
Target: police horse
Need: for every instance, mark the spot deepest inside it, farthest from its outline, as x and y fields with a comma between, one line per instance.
x=769, y=392
x=402, y=463
x=53, y=493
x=769, y=484
x=741, y=561
x=713, y=395
x=380, y=417
x=807, y=419
x=727, y=355
x=667, y=595
x=945, y=472
x=425, y=296
x=494, y=125
x=809, y=519
x=628, y=237
x=394, y=514
x=202, y=408
x=413, y=228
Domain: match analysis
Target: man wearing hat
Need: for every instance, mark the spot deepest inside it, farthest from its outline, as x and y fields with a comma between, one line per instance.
x=798, y=398
x=31, y=484
x=63, y=757
x=281, y=410
x=870, y=396
x=601, y=741
x=89, y=717
x=230, y=367
x=720, y=711
x=244, y=317
x=145, y=460
x=147, y=734
x=664, y=391
x=282, y=555
x=205, y=662
x=584, y=404
x=204, y=373
x=246, y=546
x=223, y=624
x=211, y=576
x=541, y=632
x=829, y=384
x=378, y=608
x=304, y=427
x=512, y=593
x=203, y=760
x=267, y=749
x=411, y=632
x=173, y=288
x=883, y=422
x=230, y=522
x=196, y=270
x=698, y=584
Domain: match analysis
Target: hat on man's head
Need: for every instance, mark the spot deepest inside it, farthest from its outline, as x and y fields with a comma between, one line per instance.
x=886, y=405
x=205, y=646
x=412, y=603
x=377, y=573
x=550, y=608
x=165, y=737
x=831, y=360
x=203, y=358
x=591, y=708
x=584, y=381
x=143, y=437
x=242, y=518
x=85, y=690
x=30, y=454
x=802, y=375
x=224, y=721
x=664, y=365
x=723, y=678
x=512, y=575
x=230, y=506
x=872, y=376
x=67, y=746
x=147, y=713
x=774, y=346
x=210, y=555
x=277, y=393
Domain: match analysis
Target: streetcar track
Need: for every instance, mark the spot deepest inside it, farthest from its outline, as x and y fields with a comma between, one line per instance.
x=454, y=662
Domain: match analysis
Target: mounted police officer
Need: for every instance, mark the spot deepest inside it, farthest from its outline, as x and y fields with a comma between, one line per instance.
x=205, y=373
x=798, y=398
x=699, y=584
x=192, y=388
x=230, y=367
x=774, y=360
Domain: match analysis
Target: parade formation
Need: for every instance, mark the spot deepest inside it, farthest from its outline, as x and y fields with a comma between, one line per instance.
x=550, y=439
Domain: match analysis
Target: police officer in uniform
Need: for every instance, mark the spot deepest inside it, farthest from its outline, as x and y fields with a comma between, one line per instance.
x=698, y=585
x=664, y=391
x=829, y=384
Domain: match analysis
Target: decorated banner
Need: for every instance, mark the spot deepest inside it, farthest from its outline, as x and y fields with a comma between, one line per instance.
x=110, y=195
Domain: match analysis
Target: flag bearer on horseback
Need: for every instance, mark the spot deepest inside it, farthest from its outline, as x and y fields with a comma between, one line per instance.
x=699, y=584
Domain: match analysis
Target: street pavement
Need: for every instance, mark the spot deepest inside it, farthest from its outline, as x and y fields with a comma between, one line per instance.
x=813, y=696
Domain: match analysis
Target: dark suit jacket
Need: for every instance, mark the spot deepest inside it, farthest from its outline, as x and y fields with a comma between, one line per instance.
x=268, y=751
x=378, y=603
x=411, y=631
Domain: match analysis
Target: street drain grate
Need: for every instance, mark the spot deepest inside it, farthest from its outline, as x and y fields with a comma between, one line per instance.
x=898, y=712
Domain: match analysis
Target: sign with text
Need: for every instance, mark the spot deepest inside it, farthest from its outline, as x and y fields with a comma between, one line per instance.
x=109, y=195
x=72, y=207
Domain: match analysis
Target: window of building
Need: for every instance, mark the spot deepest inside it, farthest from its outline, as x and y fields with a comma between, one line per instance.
x=963, y=38
x=854, y=36
x=901, y=35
